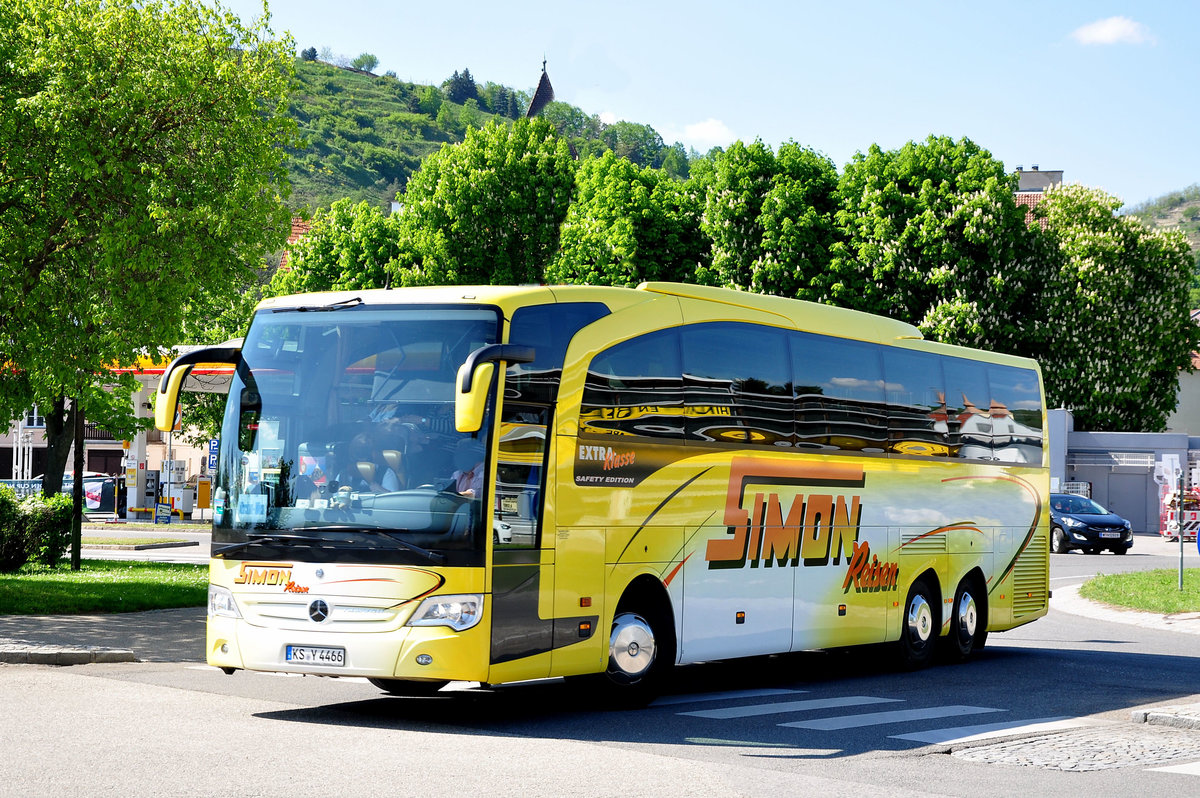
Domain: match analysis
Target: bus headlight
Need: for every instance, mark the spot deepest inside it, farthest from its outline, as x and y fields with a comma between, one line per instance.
x=458, y=612
x=221, y=603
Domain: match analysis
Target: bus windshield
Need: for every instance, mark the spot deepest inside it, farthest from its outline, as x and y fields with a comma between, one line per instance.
x=338, y=441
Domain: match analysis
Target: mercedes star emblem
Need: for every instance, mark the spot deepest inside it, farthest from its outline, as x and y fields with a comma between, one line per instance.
x=318, y=611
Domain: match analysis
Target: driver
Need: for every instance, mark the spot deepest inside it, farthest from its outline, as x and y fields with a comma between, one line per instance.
x=467, y=479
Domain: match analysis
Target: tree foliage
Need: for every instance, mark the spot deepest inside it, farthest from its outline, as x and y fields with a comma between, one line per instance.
x=141, y=162
x=931, y=234
x=486, y=210
x=770, y=219
x=628, y=224
x=348, y=247
x=365, y=62
x=1117, y=312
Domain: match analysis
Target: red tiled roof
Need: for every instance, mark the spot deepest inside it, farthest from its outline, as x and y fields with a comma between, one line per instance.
x=1029, y=199
x=300, y=228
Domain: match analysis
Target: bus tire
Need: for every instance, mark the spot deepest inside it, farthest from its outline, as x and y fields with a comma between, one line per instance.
x=968, y=621
x=407, y=687
x=641, y=651
x=919, y=626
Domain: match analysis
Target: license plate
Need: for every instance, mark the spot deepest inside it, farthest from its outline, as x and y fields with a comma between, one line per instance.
x=508, y=504
x=1110, y=534
x=316, y=655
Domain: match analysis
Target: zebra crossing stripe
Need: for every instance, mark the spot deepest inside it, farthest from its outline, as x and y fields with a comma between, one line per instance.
x=964, y=734
x=896, y=716
x=779, y=708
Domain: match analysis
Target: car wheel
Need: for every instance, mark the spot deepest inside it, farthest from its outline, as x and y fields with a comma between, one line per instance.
x=1119, y=551
x=919, y=626
x=1059, y=538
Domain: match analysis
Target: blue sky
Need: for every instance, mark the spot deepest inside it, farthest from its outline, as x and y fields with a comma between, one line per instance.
x=1100, y=90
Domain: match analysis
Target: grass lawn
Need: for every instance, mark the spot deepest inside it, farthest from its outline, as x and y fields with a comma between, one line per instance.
x=1151, y=591
x=88, y=540
x=103, y=586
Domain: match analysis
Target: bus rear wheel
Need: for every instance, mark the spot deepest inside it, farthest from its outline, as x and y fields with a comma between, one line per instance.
x=968, y=624
x=919, y=627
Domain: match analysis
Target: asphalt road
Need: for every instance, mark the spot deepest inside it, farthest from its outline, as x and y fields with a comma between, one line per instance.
x=1056, y=695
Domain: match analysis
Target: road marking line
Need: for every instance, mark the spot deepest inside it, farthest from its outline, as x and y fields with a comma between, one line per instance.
x=1190, y=769
x=789, y=706
x=963, y=734
x=896, y=716
x=728, y=695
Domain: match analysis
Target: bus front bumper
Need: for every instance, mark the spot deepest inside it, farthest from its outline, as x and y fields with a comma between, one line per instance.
x=418, y=653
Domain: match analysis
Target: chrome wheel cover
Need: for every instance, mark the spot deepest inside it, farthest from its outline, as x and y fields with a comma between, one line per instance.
x=920, y=621
x=967, y=616
x=631, y=646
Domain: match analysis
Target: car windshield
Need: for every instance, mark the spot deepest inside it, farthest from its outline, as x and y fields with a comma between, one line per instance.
x=1076, y=505
x=339, y=430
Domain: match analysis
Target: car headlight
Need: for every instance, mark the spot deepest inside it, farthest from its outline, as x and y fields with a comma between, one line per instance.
x=1072, y=522
x=458, y=612
x=221, y=603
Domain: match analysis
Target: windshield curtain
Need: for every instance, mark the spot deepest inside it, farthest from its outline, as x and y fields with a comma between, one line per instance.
x=340, y=427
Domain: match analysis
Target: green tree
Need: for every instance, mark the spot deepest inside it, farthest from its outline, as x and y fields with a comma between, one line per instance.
x=366, y=62
x=347, y=248
x=461, y=87
x=628, y=224
x=487, y=210
x=931, y=234
x=1116, y=312
x=770, y=218
x=142, y=150
x=429, y=101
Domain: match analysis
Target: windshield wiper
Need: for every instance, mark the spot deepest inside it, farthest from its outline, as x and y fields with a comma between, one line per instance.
x=254, y=538
x=432, y=556
x=345, y=303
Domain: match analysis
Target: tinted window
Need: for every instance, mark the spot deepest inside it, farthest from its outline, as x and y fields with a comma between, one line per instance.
x=548, y=329
x=839, y=399
x=918, y=419
x=1016, y=412
x=736, y=382
x=968, y=403
x=635, y=388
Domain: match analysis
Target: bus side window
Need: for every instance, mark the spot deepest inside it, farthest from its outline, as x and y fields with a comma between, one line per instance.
x=918, y=419
x=635, y=388
x=737, y=384
x=838, y=385
x=969, y=405
x=1016, y=414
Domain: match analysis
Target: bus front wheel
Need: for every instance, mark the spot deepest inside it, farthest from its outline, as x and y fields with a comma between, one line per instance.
x=919, y=627
x=641, y=649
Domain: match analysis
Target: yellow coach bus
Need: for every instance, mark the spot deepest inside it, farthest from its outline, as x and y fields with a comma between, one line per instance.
x=497, y=484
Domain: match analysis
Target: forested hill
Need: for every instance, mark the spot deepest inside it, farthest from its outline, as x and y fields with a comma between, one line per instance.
x=1178, y=209
x=367, y=133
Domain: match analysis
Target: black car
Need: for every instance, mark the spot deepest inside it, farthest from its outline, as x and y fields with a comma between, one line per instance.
x=1079, y=523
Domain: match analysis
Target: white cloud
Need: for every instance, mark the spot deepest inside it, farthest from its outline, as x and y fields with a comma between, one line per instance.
x=607, y=117
x=1113, y=30
x=701, y=135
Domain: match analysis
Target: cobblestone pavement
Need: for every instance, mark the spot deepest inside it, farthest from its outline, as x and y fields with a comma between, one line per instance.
x=1095, y=748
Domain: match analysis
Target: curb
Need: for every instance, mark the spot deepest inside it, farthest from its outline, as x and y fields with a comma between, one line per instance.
x=18, y=652
x=1181, y=717
x=1067, y=599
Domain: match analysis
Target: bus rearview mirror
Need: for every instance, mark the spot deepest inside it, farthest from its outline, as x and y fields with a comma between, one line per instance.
x=470, y=404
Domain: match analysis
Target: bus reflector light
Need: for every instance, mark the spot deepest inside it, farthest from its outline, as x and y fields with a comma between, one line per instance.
x=741, y=617
x=585, y=629
x=424, y=659
x=585, y=601
x=841, y=610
